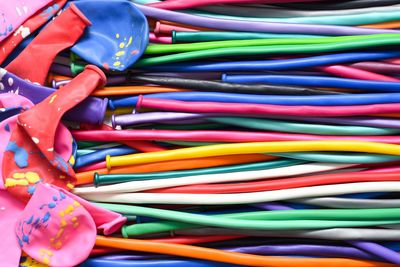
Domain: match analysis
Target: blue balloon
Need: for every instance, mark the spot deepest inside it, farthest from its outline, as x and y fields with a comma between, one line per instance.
x=118, y=36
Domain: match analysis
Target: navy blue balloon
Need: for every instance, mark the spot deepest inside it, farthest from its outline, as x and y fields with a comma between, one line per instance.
x=118, y=36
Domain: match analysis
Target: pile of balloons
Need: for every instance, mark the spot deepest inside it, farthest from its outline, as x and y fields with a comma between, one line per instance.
x=200, y=133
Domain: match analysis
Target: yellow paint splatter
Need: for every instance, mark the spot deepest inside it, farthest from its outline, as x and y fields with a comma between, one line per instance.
x=120, y=53
x=52, y=99
x=117, y=35
x=69, y=209
x=12, y=182
x=70, y=186
x=19, y=175
x=117, y=63
x=61, y=231
x=45, y=254
x=129, y=41
x=63, y=223
x=46, y=260
x=121, y=45
x=22, y=179
x=72, y=160
x=32, y=177
x=58, y=245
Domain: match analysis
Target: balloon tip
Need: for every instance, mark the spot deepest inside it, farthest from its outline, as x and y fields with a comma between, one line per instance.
x=108, y=162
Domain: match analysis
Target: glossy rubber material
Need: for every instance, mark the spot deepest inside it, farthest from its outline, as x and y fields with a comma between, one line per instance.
x=184, y=4
x=379, y=67
x=228, y=257
x=91, y=110
x=267, y=50
x=119, y=178
x=148, y=263
x=205, y=36
x=374, y=86
x=354, y=73
x=265, y=109
x=384, y=39
x=246, y=198
x=278, y=64
x=207, y=85
x=187, y=164
x=30, y=154
x=246, y=26
x=63, y=147
x=14, y=15
x=136, y=186
x=325, y=133
x=60, y=34
x=275, y=249
x=280, y=183
x=119, y=34
x=175, y=220
x=100, y=155
x=344, y=5
x=154, y=117
x=222, y=97
x=366, y=234
x=29, y=26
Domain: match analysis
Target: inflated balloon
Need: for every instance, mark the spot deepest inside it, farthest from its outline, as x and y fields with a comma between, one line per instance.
x=12, y=16
x=29, y=26
x=60, y=34
x=118, y=36
x=91, y=110
x=30, y=156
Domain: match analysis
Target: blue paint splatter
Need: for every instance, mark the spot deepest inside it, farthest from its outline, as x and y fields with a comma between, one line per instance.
x=52, y=205
x=21, y=244
x=20, y=154
x=25, y=238
x=36, y=222
x=7, y=128
x=31, y=189
x=30, y=220
x=55, y=198
x=50, y=11
x=46, y=217
x=59, y=163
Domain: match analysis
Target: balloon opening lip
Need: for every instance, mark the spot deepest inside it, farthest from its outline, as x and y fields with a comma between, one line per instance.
x=103, y=77
x=96, y=179
x=113, y=122
x=173, y=36
x=108, y=162
x=111, y=104
x=157, y=27
x=80, y=14
x=124, y=232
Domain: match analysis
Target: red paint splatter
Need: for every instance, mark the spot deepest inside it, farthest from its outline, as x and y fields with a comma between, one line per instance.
x=105, y=65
